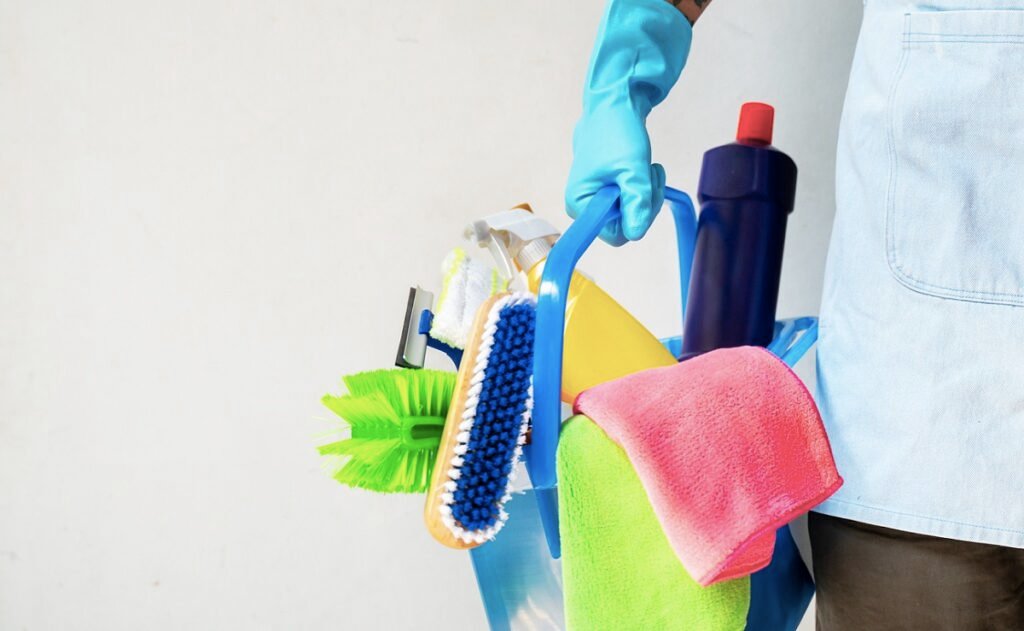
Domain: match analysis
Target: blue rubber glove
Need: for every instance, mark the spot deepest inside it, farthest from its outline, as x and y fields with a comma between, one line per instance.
x=641, y=48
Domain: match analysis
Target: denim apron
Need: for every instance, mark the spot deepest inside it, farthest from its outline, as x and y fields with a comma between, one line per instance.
x=921, y=354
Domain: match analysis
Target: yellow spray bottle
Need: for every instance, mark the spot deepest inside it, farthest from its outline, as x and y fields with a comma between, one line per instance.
x=603, y=341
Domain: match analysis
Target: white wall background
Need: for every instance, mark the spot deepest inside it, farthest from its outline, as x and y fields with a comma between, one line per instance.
x=211, y=210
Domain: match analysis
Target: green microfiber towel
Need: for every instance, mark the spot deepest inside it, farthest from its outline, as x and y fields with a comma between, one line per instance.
x=618, y=569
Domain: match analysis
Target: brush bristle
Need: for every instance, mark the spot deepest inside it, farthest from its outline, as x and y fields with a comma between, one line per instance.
x=378, y=456
x=498, y=407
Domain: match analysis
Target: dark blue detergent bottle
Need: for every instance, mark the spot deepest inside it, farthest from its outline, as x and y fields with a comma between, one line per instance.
x=746, y=192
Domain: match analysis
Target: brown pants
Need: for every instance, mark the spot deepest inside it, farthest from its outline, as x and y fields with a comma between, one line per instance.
x=872, y=579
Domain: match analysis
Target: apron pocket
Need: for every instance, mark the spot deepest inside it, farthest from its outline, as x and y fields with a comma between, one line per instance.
x=955, y=203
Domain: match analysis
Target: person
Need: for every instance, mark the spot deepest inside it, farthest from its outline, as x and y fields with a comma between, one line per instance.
x=920, y=371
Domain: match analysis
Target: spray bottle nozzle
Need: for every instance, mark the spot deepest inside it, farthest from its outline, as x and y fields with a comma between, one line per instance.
x=517, y=239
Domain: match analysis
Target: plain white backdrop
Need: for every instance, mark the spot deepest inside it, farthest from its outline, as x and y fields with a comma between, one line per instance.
x=209, y=211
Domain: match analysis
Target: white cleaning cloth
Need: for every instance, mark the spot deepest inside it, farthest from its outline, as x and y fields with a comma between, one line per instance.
x=466, y=285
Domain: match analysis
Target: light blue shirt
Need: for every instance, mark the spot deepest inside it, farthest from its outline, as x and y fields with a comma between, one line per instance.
x=921, y=354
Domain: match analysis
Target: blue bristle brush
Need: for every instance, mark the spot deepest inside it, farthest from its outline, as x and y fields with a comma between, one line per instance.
x=486, y=425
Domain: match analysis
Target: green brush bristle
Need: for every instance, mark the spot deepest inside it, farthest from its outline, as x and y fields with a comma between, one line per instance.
x=395, y=417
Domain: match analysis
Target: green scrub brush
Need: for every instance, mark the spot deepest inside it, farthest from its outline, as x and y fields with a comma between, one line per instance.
x=396, y=417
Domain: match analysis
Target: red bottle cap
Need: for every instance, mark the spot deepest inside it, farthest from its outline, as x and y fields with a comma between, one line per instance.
x=756, y=123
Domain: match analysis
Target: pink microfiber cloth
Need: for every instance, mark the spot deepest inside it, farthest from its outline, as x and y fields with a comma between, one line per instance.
x=729, y=446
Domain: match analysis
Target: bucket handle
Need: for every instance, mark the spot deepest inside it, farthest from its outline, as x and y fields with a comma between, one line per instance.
x=550, y=333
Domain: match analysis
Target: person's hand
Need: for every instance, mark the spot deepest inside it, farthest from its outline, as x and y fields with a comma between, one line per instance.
x=641, y=48
x=612, y=147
